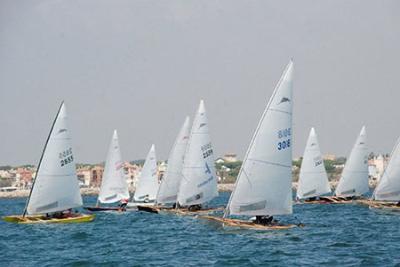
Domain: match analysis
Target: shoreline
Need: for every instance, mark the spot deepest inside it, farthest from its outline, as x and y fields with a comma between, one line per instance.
x=95, y=191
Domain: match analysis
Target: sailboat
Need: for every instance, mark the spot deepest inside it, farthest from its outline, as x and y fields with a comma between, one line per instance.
x=199, y=180
x=387, y=193
x=168, y=191
x=114, y=187
x=354, y=181
x=313, y=180
x=147, y=185
x=55, y=190
x=264, y=183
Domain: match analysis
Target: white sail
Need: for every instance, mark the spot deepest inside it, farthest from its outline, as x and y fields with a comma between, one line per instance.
x=147, y=186
x=56, y=186
x=264, y=183
x=199, y=182
x=313, y=180
x=169, y=186
x=388, y=188
x=354, y=180
x=113, y=186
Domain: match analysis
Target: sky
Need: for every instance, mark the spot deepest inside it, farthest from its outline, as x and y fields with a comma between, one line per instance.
x=141, y=66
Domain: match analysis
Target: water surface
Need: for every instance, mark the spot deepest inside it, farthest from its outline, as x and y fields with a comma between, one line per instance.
x=346, y=235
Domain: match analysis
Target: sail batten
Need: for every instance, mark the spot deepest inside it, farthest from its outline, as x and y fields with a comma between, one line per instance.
x=56, y=186
x=354, y=180
x=263, y=186
x=199, y=182
x=147, y=186
x=168, y=190
x=313, y=179
x=113, y=186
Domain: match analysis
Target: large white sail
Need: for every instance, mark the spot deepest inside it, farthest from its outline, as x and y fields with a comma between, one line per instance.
x=313, y=180
x=147, y=186
x=113, y=186
x=354, y=180
x=264, y=183
x=56, y=186
x=388, y=188
x=169, y=186
x=199, y=182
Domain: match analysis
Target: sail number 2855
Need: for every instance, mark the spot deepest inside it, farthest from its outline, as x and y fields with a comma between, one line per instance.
x=284, y=138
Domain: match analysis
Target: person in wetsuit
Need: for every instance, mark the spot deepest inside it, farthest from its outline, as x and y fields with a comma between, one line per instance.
x=194, y=207
x=124, y=203
x=264, y=220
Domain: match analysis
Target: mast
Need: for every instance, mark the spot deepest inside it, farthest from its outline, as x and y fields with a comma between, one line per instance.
x=41, y=157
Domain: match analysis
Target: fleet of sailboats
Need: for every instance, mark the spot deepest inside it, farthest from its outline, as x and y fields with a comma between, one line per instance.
x=262, y=189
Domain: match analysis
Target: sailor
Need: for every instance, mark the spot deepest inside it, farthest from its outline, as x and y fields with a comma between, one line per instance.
x=265, y=220
x=195, y=207
x=123, y=204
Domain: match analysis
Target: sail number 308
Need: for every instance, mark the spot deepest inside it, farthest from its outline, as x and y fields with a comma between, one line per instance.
x=285, y=135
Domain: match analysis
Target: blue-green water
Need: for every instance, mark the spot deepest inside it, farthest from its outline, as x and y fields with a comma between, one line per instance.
x=346, y=235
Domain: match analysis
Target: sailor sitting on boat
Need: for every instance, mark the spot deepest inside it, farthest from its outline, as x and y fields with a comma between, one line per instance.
x=194, y=207
x=264, y=220
x=124, y=203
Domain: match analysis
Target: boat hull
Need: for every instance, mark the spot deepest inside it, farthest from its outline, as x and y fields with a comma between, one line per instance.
x=247, y=225
x=95, y=209
x=35, y=219
x=385, y=206
x=332, y=200
x=158, y=209
x=150, y=209
x=136, y=204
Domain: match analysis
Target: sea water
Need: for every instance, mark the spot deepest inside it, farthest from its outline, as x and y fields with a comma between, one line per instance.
x=345, y=235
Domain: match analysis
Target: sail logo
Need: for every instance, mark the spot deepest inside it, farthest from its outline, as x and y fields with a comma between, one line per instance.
x=202, y=125
x=61, y=131
x=205, y=182
x=283, y=100
x=317, y=161
x=208, y=171
x=313, y=144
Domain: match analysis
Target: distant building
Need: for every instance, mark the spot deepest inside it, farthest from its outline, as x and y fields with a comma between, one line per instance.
x=230, y=157
x=131, y=172
x=329, y=157
x=23, y=177
x=219, y=160
x=162, y=169
x=96, y=175
x=84, y=175
x=377, y=166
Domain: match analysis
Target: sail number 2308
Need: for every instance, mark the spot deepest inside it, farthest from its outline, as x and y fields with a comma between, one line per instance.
x=284, y=138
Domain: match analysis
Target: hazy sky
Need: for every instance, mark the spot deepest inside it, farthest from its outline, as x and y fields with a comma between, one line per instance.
x=142, y=66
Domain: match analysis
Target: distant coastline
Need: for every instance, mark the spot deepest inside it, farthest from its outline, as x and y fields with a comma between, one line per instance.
x=95, y=191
